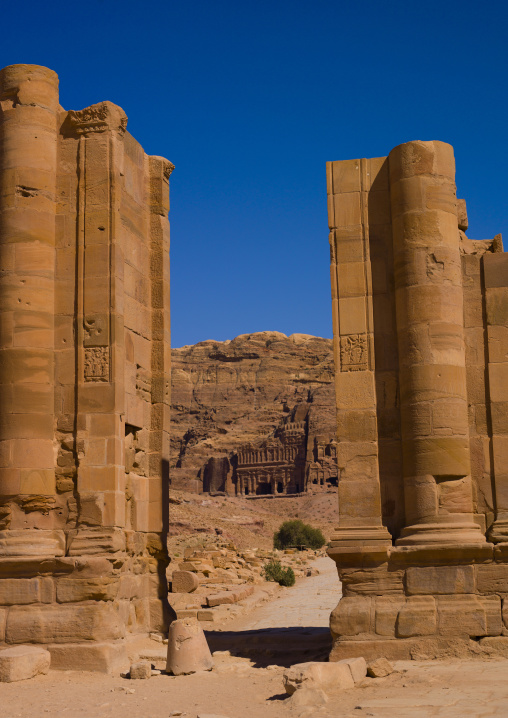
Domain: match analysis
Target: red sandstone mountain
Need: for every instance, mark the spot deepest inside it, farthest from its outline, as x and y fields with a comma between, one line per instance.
x=226, y=395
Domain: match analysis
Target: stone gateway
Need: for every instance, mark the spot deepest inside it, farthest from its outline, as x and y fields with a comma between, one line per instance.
x=420, y=319
x=84, y=375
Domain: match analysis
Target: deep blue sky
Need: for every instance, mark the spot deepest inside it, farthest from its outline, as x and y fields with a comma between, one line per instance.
x=250, y=98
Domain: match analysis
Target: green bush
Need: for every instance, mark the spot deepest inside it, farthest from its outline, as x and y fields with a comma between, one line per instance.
x=273, y=571
x=297, y=534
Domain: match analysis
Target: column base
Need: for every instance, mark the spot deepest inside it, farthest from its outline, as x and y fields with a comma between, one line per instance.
x=443, y=534
x=349, y=536
x=499, y=531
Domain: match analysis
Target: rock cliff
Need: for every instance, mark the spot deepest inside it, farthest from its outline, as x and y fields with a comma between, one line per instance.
x=232, y=394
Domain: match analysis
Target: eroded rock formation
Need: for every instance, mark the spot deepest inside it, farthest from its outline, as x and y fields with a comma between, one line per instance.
x=420, y=318
x=84, y=375
x=254, y=415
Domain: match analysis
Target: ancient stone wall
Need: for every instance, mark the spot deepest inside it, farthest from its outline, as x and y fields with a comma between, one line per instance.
x=420, y=339
x=84, y=375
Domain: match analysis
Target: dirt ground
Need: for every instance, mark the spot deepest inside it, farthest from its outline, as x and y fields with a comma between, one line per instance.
x=198, y=519
x=248, y=684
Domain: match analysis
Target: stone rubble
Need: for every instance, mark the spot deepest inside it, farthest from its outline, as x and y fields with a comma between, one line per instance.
x=216, y=582
x=379, y=668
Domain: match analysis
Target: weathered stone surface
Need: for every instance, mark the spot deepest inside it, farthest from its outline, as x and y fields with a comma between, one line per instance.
x=314, y=675
x=22, y=662
x=63, y=624
x=358, y=668
x=351, y=616
x=379, y=668
x=184, y=582
x=308, y=697
x=188, y=650
x=94, y=656
x=417, y=617
x=440, y=579
x=227, y=396
x=140, y=670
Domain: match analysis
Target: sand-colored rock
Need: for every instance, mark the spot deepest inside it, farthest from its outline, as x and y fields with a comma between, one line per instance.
x=183, y=582
x=314, y=675
x=188, y=650
x=140, y=670
x=22, y=662
x=229, y=396
x=379, y=668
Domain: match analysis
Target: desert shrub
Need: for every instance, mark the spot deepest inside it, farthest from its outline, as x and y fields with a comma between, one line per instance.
x=273, y=571
x=296, y=533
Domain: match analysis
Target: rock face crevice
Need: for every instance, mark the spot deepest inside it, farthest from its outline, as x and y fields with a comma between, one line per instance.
x=254, y=415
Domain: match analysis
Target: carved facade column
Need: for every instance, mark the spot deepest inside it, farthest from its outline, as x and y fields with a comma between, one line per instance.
x=430, y=324
x=360, y=521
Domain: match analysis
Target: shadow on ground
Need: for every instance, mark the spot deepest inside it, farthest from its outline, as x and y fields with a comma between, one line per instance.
x=280, y=646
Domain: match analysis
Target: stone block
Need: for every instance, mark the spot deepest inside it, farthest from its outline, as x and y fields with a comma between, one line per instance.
x=493, y=614
x=96, y=657
x=498, y=380
x=358, y=668
x=374, y=581
x=140, y=670
x=86, y=589
x=440, y=580
x=379, y=668
x=22, y=662
x=218, y=599
x=351, y=617
x=492, y=578
x=325, y=676
x=184, y=582
x=461, y=616
x=63, y=624
x=495, y=270
x=387, y=610
x=418, y=617
x=19, y=591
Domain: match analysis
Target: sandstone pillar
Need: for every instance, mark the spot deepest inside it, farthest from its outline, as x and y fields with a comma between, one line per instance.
x=429, y=310
x=360, y=523
x=28, y=130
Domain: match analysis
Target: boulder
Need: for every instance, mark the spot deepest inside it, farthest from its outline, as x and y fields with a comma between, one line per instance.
x=22, y=662
x=326, y=676
x=188, y=650
x=379, y=668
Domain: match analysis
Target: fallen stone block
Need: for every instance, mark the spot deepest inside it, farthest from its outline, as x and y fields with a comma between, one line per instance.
x=140, y=671
x=379, y=668
x=218, y=599
x=22, y=662
x=358, y=667
x=188, y=650
x=95, y=657
x=326, y=676
x=187, y=613
x=184, y=582
x=308, y=697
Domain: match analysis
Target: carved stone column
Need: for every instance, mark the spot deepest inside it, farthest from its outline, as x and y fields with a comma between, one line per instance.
x=28, y=127
x=429, y=308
